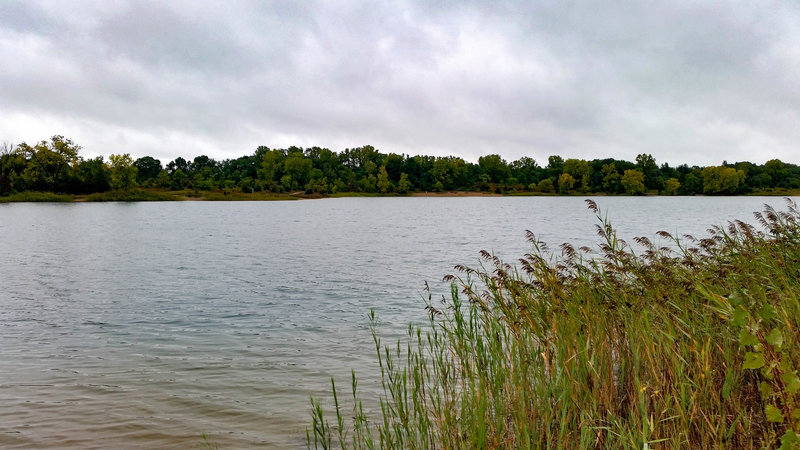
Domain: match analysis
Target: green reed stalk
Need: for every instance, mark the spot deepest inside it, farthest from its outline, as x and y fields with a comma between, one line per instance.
x=694, y=346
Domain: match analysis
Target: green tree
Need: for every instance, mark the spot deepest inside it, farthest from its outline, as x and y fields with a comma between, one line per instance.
x=147, y=168
x=383, y=180
x=776, y=170
x=546, y=185
x=271, y=166
x=202, y=162
x=246, y=185
x=298, y=168
x=92, y=175
x=123, y=172
x=451, y=171
x=178, y=164
x=49, y=160
x=585, y=183
x=12, y=165
x=579, y=169
x=177, y=180
x=163, y=180
x=647, y=165
x=555, y=162
x=441, y=170
x=671, y=186
x=565, y=183
x=526, y=170
x=762, y=180
x=369, y=183
x=403, y=186
x=610, y=178
x=692, y=182
x=721, y=180
x=633, y=182
x=494, y=166
x=317, y=185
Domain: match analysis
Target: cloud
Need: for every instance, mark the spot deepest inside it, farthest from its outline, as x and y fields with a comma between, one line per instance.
x=685, y=81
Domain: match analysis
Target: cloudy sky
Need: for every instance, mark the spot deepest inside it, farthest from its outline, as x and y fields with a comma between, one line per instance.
x=686, y=81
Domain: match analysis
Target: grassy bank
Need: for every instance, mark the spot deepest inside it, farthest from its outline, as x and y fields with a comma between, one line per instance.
x=620, y=347
x=32, y=196
x=138, y=195
x=241, y=196
x=153, y=194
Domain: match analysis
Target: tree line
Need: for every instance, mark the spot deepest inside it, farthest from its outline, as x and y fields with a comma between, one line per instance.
x=55, y=165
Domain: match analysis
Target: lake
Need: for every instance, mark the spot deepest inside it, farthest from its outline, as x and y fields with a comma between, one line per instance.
x=126, y=325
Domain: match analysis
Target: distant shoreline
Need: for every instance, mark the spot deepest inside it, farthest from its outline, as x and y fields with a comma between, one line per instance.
x=190, y=195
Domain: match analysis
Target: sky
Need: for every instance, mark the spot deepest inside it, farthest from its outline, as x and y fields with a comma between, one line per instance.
x=696, y=82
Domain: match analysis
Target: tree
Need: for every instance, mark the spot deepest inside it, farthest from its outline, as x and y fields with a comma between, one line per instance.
x=297, y=167
x=647, y=164
x=565, y=183
x=451, y=171
x=776, y=169
x=317, y=185
x=147, y=168
x=12, y=165
x=525, y=170
x=383, y=180
x=545, y=185
x=202, y=162
x=47, y=161
x=579, y=169
x=633, y=182
x=721, y=180
x=271, y=167
x=177, y=180
x=671, y=186
x=177, y=164
x=92, y=175
x=494, y=166
x=123, y=172
x=163, y=180
x=403, y=186
x=610, y=178
x=441, y=170
x=555, y=162
x=394, y=165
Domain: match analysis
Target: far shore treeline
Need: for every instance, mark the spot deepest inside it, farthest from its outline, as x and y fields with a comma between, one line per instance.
x=55, y=166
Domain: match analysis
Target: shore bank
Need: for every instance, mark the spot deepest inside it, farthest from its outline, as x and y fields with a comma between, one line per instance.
x=142, y=195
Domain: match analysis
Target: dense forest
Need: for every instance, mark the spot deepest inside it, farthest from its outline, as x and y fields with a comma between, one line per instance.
x=55, y=165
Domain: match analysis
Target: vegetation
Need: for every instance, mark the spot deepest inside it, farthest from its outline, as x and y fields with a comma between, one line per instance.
x=691, y=346
x=56, y=166
x=33, y=196
x=130, y=196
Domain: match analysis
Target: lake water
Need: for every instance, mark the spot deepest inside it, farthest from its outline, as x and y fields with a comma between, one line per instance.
x=127, y=325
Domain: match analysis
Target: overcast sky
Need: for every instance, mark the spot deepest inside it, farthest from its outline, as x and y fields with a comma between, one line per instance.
x=694, y=82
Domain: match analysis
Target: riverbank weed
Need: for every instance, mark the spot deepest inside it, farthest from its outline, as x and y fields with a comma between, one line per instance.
x=34, y=196
x=693, y=344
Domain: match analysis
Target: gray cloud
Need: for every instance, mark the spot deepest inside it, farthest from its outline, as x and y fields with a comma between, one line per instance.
x=684, y=81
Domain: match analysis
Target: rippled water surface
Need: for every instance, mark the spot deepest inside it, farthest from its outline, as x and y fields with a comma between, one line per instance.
x=127, y=325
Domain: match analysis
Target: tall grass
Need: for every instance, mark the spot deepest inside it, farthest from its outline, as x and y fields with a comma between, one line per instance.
x=691, y=346
x=135, y=195
x=35, y=196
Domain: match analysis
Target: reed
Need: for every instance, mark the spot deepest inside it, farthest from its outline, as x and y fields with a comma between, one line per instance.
x=692, y=345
